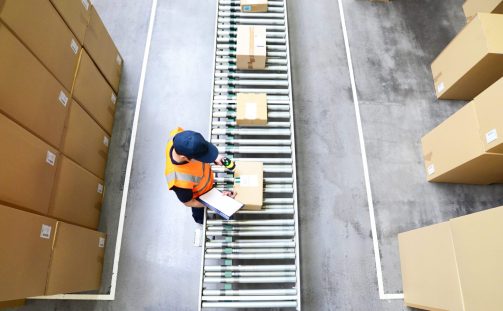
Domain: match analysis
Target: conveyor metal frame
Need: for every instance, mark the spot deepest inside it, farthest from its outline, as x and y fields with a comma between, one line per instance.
x=274, y=298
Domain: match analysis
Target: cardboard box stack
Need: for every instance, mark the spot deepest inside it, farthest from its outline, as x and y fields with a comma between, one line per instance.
x=472, y=61
x=468, y=147
x=253, y=6
x=249, y=184
x=251, y=109
x=251, y=51
x=58, y=94
x=472, y=7
x=455, y=265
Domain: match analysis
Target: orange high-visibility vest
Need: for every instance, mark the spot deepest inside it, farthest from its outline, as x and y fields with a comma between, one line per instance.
x=194, y=175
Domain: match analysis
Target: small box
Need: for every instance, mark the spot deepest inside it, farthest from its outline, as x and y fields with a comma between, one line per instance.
x=251, y=109
x=472, y=7
x=77, y=195
x=467, y=147
x=85, y=142
x=249, y=184
x=251, y=47
x=472, y=61
x=76, y=14
x=25, y=246
x=103, y=51
x=77, y=260
x=94, y=93
x=27, y=168
x=29, y=93
x=39, y=26
x=253, y=6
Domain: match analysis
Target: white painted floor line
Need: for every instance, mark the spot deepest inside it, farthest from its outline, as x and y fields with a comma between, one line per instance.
x=120, y=231
x=370, y=201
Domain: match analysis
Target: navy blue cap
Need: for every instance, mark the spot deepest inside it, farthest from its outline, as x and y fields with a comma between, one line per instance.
x=193, y=145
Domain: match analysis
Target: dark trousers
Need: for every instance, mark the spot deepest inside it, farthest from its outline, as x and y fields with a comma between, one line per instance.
x=198, y=215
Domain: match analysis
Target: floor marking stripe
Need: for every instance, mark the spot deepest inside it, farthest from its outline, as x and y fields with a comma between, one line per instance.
x=370, y=201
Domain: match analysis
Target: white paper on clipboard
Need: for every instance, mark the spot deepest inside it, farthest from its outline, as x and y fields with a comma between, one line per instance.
x=221, y=204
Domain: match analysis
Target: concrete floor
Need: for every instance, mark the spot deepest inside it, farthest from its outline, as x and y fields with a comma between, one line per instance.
x=392, y=46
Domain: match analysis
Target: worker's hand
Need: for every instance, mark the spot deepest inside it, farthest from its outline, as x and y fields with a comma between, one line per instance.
x=231, y=194
x=218, y=161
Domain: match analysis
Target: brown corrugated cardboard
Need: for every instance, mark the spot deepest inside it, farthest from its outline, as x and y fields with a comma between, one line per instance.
x=77, y=195
x=76, y=14
x=85, y=142
x=472, y=7
x=12, y=304
x=25, y=244
x=103, y=51
x=94, y=93
x=27, y=166
x=472, y=61
x=454, y=265
x=489, y=110
x=253, y=6
x=77, y=260
x=455, y=153
x=428, y=265
x=43, y=109
x=251, y=109
x=479, y=254
x=38, y=25
x=249, y=184
x=251, y=47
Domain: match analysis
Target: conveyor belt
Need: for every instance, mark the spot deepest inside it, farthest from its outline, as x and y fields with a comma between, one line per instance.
x=253, y=260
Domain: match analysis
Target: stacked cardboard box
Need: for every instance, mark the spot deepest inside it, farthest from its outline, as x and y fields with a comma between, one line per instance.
x=472, y=61
x=455, y=265
x=468, y=147
x=472, y=7
x=57, y=106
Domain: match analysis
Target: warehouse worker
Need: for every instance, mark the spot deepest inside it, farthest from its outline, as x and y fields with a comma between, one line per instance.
x=188, y=171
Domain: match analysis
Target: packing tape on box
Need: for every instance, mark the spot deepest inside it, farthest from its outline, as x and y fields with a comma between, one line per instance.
x=252, y=48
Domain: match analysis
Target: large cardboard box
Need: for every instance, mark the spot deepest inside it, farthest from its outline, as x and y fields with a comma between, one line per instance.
x=27, y=168
x=103, y=51
x=76, y=14
x=251, y=51
x=479, y=254
x=38, y=25
x=472, y=61
x=42, y=109
x=251, y=109
x=25, y=247
x=455, y=265
x=12, y=303
x=489, y=109
x=466, y=148
x=77, y=195
x=253, y=6
x=93, y=92
x=428, y=264
x=472, y=7
x=249, y=184
x=77, y=260
x=85, y=142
